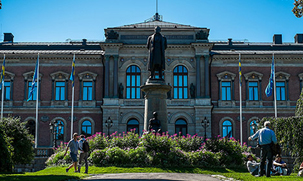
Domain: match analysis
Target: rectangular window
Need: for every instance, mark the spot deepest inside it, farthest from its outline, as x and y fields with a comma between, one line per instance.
x=226, y=91
x=280, y=88
x=60, y=91
x=87, y=91
x=7, y=91
x=29, y=88
x=253, y=91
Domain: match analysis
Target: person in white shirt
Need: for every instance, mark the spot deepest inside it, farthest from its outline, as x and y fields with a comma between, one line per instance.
x=252, y=165
x=83, y=153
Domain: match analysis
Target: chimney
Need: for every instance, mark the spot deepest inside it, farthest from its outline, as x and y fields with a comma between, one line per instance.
x=230, y=41
x=84, y=41
x=299, y=38
x=8, y=37
x=277, y=39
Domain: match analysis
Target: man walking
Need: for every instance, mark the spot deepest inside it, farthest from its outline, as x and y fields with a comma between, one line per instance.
x=84, y=148
x=265, y=137
x=73, y=146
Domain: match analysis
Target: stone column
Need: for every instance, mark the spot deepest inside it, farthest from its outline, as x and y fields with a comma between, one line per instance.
x=116, y=57
x=106, y=77
x=198, y=77
x=206, y=75
x=155, y=100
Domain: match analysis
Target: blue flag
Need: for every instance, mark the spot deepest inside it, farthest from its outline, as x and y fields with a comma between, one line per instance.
x=240, y=71
x=269, y=88
x=2, y=73
x=33, y=88
x=72, y=76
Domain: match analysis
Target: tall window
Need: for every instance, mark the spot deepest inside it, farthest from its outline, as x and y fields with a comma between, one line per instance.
x=227, y=129
x=253, y=91
x=87, y=91
x=60, y=91
x=29, y=87
x=251, y=130
x=133, y=124
x=133, y=77
x=31, y=127
x=60, y=136
x=181, y=127
x=86, y=128
x=180, y=82
x=7, y=91
x=280, y=87
x=226, y=91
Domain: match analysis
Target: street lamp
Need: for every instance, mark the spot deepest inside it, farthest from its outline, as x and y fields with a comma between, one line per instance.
x=205, y=124
x=53, y=129
x=108, y=124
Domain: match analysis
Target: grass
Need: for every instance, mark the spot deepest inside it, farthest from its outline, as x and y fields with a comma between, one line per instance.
x=59, y=174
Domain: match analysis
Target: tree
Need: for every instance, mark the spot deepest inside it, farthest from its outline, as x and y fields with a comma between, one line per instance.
x=298, y=8
x=22, y=151
x=6, y=150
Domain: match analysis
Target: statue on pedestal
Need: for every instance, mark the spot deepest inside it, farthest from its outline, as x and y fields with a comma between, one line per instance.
x=156, y=44
x=154, y=124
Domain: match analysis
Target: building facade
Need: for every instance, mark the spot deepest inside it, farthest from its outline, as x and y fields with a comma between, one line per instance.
x=204, y=77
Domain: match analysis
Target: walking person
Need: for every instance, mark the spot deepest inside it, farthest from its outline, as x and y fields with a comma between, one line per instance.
x=265, y=137
x=73, y=146
x=84, y=148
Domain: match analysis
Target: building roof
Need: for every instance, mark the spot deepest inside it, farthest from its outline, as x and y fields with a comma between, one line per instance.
x=152, y=24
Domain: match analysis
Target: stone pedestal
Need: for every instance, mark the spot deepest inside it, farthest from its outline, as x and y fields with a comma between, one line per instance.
x=155, y=100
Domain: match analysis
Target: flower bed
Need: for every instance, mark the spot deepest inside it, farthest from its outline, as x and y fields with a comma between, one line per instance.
x=129, y=149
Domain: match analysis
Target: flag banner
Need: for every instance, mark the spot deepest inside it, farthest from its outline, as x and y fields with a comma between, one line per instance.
x=72, y=76
x=269, y=88
x=33, y=87
x=240, y=72
x=2, y=73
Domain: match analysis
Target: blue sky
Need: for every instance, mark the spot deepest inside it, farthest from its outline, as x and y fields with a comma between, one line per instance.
x=58, y=20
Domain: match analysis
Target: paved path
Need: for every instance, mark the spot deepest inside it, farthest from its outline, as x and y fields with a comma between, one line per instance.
x=152, y=176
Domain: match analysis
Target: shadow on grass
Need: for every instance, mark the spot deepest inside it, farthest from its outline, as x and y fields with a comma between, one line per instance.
x=17, y=177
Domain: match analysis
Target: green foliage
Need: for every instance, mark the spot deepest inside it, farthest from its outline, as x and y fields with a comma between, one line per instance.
x=298, y=8
x=159, y=150
x=230, y=151
x=20, y=141
x=6, y=150
x=299, y=106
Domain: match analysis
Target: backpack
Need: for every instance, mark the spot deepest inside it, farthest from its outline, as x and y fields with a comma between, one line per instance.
x=85, y=146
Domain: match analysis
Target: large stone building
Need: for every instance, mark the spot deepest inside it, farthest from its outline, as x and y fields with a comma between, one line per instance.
x=203, y=75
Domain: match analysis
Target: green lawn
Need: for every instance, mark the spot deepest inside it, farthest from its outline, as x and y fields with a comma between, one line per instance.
x=58, y=173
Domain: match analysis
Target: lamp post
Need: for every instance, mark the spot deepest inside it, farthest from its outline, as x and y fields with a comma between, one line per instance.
x=205, y=124
x=53, y=129
x=108, y=124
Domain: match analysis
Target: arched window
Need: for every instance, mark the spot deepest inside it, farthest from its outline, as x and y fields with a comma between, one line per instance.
x=251, y=130
x=133, y=124
x=86, y=128
x=227, y=129
x=181, y=127
x=60, y=135
x=133, y=82
x=180, y=82
x=31, y=127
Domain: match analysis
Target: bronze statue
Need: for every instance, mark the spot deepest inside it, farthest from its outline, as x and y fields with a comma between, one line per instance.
x=154, y=124
x=156, y=44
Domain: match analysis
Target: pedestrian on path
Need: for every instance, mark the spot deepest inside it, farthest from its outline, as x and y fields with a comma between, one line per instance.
x=73, y=146
x=84, y=148
x=265, y=137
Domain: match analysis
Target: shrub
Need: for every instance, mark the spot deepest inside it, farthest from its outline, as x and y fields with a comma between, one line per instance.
x=116, y=156
x=6, y=150
x=177, y=157
x=97, y=157
x=20, y=141
x=203, y=158
x=138, y=157
x=189, y=143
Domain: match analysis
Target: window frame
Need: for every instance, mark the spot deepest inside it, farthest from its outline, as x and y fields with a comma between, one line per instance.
x=87, y=126
x=133, y=74
x=132, y=126
x=178, y=127
x=180, y=71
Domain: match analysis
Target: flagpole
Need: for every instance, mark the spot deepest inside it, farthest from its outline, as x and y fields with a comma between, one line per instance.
x=275, y=94
x=72, y=112
x=37, y=102
x=240, y=93
x=2, y=94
